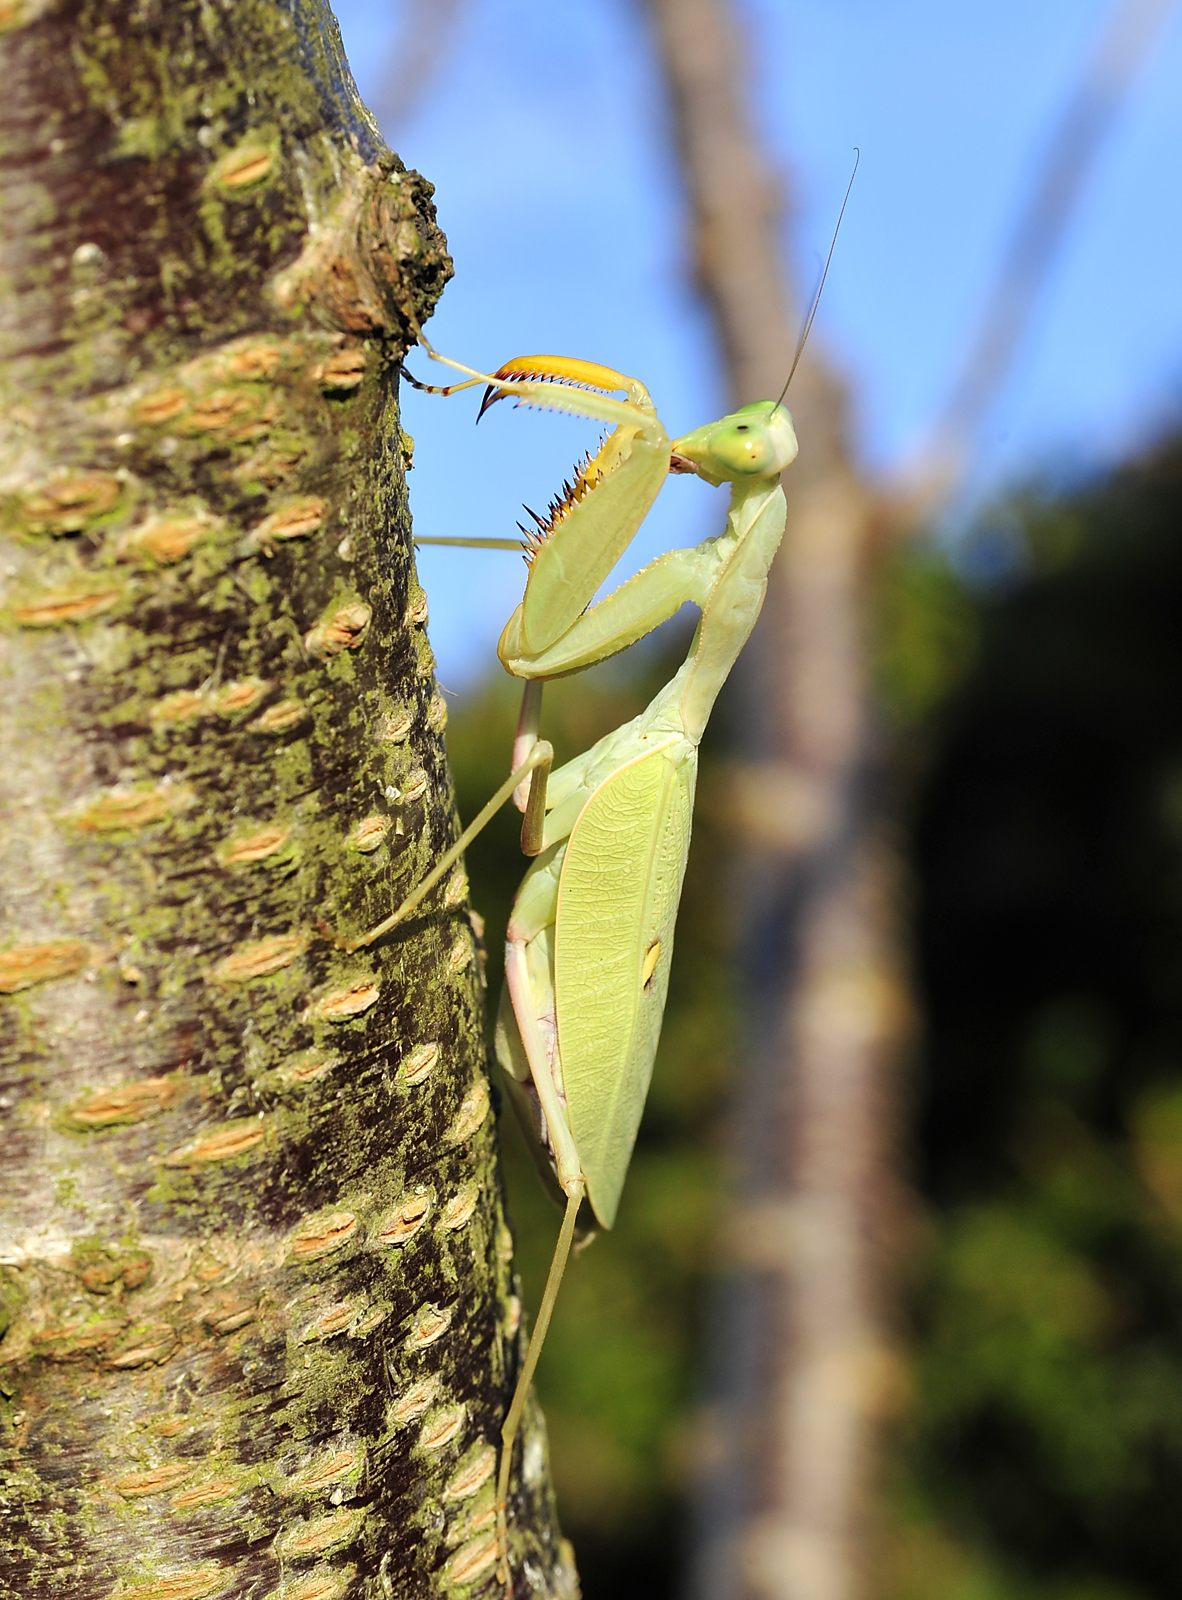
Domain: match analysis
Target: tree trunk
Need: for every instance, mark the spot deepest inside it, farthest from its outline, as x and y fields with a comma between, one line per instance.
x=805, y=1370
x=257, y=1328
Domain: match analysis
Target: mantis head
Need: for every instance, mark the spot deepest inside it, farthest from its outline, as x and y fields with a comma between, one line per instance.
x=756, y=441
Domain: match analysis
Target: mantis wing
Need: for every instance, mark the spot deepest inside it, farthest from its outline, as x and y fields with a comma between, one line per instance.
x=617, y=906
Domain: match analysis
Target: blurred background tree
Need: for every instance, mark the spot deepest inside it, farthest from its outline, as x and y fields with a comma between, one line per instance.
x=944, y=1333
x=1042, y=1450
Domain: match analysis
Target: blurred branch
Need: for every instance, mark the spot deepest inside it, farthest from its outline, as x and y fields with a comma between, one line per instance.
x=782, y=1510
x=735, y=200
x=807, y=1372
x=419, y=53
x=1068, y=162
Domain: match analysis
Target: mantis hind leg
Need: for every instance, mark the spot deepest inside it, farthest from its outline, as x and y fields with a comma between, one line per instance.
x=527, y=1046
x=537, y=1338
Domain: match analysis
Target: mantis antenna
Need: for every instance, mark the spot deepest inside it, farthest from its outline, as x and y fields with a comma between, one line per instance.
x=808, y=321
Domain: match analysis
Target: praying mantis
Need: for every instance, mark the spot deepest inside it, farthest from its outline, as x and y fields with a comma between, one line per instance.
x=590, y=936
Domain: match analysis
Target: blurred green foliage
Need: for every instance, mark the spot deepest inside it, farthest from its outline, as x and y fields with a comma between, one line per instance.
x=1042, y=1455
x=1034, y=688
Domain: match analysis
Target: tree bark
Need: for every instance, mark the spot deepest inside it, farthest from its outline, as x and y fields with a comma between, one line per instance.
x=256, y=1319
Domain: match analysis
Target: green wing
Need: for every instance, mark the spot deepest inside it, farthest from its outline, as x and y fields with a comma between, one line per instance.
x=617, y=907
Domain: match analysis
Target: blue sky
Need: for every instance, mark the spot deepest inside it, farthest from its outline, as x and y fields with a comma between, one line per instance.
x=545, y=133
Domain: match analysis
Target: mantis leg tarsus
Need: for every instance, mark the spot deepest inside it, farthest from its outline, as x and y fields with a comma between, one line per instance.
x=437, y=388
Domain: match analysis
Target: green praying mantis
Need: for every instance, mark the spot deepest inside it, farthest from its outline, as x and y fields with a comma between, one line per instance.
x=590, y=935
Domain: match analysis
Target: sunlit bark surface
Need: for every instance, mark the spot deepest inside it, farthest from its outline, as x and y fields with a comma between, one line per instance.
x=253, y=1272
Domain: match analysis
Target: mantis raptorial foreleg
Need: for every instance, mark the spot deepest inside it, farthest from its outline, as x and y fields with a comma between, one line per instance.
x=587, y=527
